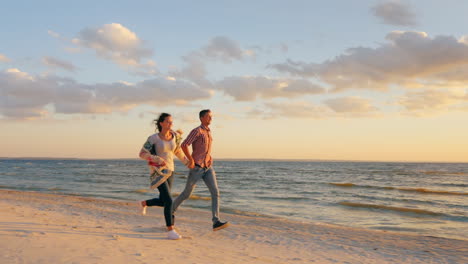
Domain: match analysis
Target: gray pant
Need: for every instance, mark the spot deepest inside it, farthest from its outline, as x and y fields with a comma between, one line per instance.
x=209, y=177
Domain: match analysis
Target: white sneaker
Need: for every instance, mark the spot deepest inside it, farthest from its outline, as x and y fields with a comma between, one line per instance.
x=173, y=235
x=142, y=207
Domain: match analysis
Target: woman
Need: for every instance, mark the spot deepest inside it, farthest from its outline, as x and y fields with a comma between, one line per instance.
x=159, y=151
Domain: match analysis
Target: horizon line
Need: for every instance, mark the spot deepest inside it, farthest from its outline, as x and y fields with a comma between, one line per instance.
x=240, y=159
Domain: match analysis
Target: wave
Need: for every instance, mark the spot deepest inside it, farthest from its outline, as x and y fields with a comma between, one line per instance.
x=454, y=184
x=392, y=208
x=194, y=197
x=245, y=213
x=423, y=190
x=406, y=189
x=283, y=198
x=141, y=191
x=443, y=173
x=87, y=180
x=343, y=184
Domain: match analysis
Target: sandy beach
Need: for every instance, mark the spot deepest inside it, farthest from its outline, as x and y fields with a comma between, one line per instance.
x=52, y=228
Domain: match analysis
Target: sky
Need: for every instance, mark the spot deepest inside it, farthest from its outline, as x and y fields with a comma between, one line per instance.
x=370, y=80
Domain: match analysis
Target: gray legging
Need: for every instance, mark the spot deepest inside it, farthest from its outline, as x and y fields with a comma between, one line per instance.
x=209, y=177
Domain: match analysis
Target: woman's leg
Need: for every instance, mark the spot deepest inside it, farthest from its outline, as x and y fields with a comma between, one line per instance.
x=158, y=201
x=165, y=197
x=166, y=200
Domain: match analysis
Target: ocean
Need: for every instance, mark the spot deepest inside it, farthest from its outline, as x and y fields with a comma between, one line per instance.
x=419, y=198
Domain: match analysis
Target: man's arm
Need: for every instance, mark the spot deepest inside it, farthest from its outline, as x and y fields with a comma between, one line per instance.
x=191, y=162
x=187, y=142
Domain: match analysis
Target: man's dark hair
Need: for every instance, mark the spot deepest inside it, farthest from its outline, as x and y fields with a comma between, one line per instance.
x=203, y=113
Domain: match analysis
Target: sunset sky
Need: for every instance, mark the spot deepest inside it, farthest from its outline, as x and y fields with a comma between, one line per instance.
x=332, y=80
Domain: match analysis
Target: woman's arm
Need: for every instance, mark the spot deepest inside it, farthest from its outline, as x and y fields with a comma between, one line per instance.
x=178, y=151
x=145, y=154
x=180, y=155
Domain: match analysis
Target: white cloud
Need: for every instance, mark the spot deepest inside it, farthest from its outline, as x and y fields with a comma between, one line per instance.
x=251, y=88
x=26, y=96
x=298, y=110
x=407, y=59
x=53, y=34
x=219, y=48
x=117, y=43
x=394, y=13
x=4, y=58
x=57, y=63
x=432, y=101
x=225, y=49
x=350, y=104
x=194, y=70
x=338, y=108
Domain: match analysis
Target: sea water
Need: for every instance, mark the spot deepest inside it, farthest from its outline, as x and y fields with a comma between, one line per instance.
x=419, y=198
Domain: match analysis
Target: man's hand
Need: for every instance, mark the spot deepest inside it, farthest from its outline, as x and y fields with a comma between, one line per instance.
x=191, y=164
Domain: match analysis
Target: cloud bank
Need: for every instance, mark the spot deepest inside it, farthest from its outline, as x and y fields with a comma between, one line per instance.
x=432, y=70
x=24, y=96
x=407, y=59
x=433, y=101
x=251, y=88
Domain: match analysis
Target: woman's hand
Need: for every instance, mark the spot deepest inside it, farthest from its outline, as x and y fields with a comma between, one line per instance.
x=156, y=161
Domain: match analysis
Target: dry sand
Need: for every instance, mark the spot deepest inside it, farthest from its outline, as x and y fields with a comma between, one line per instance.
x=50, y=228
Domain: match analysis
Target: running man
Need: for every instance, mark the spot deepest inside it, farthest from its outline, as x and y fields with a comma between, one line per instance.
x=200, y=164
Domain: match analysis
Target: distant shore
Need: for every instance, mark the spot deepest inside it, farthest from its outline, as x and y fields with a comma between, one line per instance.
x=51, y=228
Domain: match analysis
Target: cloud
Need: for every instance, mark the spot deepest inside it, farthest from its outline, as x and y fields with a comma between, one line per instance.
x=251, y=88
x=432, y=101
x=116, y=43
x=194, y=70
x=223, y=48
x=407, y=59
x=219, y=48
x=4, y=58
x=53, y=34
x=394, y=13
x=57, y=63
x=347, y=107
x=25, y=96
x=297, y=110
x=351, y=104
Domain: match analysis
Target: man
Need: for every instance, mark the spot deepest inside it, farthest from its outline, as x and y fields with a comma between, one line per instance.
x=200, y=165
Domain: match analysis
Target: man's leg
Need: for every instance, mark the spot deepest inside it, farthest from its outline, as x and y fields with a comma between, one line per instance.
x=194, y=175
x=212, y=184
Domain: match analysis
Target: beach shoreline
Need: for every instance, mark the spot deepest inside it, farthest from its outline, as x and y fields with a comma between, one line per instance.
x=51, y=228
